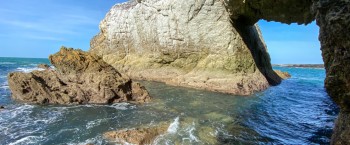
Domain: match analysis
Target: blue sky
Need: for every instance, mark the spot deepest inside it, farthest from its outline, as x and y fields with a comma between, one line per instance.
x=37, y=28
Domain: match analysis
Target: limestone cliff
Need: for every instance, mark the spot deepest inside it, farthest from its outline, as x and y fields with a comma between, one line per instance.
x=192, y=43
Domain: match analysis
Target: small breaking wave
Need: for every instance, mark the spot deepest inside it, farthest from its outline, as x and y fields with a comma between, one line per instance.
x=174, y=126
x=7, y=63
x=28, y=140
x=98, y=140
x=93, y=123
x=28, y=70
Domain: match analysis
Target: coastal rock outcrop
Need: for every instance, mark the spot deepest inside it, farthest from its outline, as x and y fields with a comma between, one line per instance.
x=186, y=43
x=139, y=136
x=79, y=77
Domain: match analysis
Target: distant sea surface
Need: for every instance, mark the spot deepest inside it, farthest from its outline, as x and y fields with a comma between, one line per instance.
x=298, y=111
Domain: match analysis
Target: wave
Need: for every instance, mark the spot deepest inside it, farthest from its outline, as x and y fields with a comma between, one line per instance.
x=174, y=126
x=98, y=140
x=28, y=140
x=28, y=70
x=8, y=63
x=93, y=123
x=117, y=106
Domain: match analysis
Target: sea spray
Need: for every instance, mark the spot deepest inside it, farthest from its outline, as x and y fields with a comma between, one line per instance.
x=174, y=126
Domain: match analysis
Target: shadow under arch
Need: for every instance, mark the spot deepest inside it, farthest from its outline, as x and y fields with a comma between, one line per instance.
x=252, y=37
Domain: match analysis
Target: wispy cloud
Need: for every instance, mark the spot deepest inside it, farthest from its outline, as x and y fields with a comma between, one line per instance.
x=57, y=20
x=30, y=25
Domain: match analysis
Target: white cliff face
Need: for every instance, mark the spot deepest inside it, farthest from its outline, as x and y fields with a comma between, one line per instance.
x=189, y=43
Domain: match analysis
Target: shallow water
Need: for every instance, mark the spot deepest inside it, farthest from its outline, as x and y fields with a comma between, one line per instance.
x=298, y=111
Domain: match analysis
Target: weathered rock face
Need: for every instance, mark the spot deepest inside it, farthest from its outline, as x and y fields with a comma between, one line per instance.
x=79, y=78
x=185, y=42
x=333, y=17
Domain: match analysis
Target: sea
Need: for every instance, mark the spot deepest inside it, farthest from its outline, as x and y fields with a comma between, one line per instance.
x=298, y=111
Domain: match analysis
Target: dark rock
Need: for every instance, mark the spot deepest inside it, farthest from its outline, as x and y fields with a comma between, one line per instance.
x=2, y=107
x=44, y=66
x=80, y=78
x=333, y=17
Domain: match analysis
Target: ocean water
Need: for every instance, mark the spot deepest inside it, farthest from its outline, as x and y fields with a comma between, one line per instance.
x=298, y=111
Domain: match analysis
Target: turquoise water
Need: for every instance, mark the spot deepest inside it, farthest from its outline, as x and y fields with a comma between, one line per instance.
x=298, y=111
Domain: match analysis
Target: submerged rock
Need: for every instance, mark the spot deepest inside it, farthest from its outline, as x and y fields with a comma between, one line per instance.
x=80, y=77
x=139, y=136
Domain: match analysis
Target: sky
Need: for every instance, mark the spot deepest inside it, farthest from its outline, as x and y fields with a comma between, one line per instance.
x=38, y=28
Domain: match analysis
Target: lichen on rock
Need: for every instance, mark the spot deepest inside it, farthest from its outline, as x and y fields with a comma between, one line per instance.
x=79, y=78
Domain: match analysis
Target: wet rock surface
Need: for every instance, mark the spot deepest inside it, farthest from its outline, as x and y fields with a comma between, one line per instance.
x=79, y=78
x=139, y=136
x=283, y=75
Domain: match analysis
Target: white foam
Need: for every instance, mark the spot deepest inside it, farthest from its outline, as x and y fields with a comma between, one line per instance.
x=28, y=70
x=118, y=106
x=94, y=123
x=28, y=140
x=98, y=140
x=4, y=87
x=192, y=136
x=174, y=126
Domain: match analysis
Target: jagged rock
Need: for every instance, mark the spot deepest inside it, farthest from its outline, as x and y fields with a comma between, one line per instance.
x=79, y=78
x=283, y=75
x=187, y=43
x=139, y=136
x=44, y=66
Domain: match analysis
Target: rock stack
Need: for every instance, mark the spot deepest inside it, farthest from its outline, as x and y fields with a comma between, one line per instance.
x=78, y=78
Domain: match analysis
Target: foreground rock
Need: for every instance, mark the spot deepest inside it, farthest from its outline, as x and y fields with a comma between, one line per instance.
x=79, y=78
x=139, y=136
x=186, y=43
